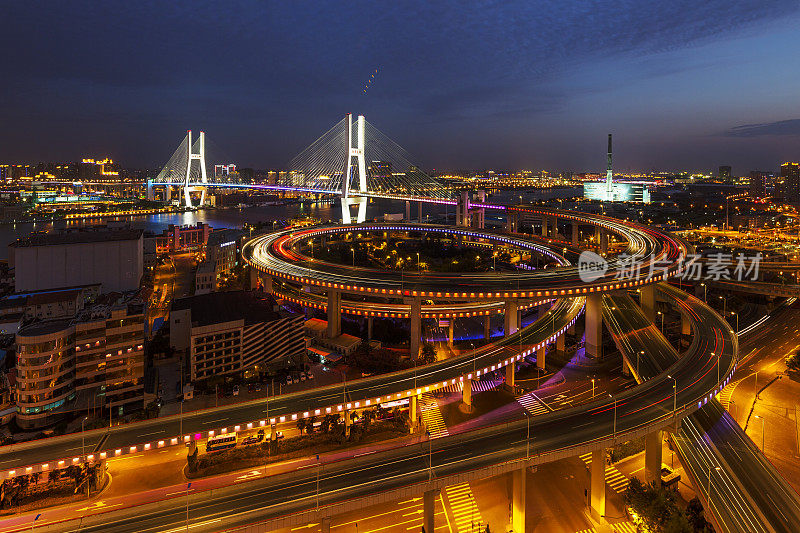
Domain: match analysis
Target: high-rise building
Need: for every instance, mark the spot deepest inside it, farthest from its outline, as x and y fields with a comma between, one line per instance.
x=725, y=175
x=758, y=187
x=223, y=171
x=790, y=172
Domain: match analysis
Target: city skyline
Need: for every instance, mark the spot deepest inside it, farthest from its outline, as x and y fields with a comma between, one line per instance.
x=514, y=86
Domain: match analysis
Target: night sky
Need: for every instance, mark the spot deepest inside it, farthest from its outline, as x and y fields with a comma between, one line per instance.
x=681, y=84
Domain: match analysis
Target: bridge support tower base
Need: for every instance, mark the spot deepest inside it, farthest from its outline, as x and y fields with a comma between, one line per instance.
x=429, y=509
x=416, y=326
x=594, y=325
x=466, y=393
x=518, y=493
x=597, y=484
x=652, y=456
x=334, y=314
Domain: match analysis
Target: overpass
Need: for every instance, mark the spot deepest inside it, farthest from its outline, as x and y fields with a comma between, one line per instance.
x=729, y=473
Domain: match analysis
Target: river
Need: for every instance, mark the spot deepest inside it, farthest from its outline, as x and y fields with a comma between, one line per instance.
x=234, y=218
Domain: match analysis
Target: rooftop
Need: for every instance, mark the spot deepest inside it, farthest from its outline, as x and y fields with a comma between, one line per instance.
x=77, y=237
x=218, y=307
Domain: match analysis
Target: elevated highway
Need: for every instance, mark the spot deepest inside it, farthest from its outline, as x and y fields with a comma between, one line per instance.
x=746, y=492
x=413, y=470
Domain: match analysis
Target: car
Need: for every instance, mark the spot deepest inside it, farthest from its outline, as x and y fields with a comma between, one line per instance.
x=236, y=390
x=253, y=439
x=257, y=387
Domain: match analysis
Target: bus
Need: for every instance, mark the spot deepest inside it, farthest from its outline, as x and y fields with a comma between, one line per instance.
x=221, y=442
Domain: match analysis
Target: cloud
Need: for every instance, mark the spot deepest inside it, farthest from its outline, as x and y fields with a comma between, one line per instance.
x=782, y=127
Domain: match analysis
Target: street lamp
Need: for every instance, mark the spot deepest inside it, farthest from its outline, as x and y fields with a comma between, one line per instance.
x=705, y=292
x=717, y=469
x=724, y=305
x=592, y=387
x=83, y=437
x=762, y=433
x=641, y=352
x=419, y=269
x=675, y=395
x=353, y=250
x=662, y=322
x=615, y=415
x=718, y=359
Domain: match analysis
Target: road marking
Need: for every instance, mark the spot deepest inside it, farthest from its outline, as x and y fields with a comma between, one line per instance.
x=614, y=478
x=533, y=404
x=432, y=416
x=215, y=421
x=153, y=433
x=464, y=508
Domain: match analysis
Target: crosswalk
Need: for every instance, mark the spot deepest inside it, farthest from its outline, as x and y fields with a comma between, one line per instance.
x=432, y=416
x=533, y=404
x=724, y=397
x=465, y=511
x=614, y=478
x=477, y=386
x=621, y=527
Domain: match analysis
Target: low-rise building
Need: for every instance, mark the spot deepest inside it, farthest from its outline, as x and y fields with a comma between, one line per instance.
x=205, y=279
x=234, y=333
x=54, y=260
x=93, y=361
x=183, y=238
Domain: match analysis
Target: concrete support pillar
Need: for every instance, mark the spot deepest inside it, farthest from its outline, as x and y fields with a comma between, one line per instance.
x=326, y=525
x=540, y=357
x=594, y=325
x=408, y=211
x=416, y=326
x=598, y=235
x=370, y=321
x=419, y=211
x=561, y=345
x=450, y=332
x=510, y=375
x=647, y=301
x=429, y=509
x=487, y=327
x=466, y=392
x=652, y=456
x=413, y=407
x=626, y=368
x=575, y=231
x=603, y=242
x=554, y=233
x=519, y=491
x=334, y=314
x=168, y=194
x=544, y=226
x=511, y=317
x=266, y=282
x=347, y=423
x=597, y=485
x=512, y=222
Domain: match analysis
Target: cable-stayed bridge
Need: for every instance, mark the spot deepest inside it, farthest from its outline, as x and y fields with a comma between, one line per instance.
x=352, y=160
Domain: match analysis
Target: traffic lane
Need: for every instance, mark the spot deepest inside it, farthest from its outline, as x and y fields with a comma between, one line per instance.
x=773, y=495
x=121, y=438
x=484, y=448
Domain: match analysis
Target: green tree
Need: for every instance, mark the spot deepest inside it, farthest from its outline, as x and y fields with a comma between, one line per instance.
x=301, y=425
x=793, y=362
x=428, y=354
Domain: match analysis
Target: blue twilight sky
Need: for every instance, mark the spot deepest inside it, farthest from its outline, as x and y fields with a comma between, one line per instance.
x=532, y=84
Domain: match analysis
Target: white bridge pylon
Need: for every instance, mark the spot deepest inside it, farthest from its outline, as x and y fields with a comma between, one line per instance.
x=181, y=172
x=201, y=157
x=356, y=152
